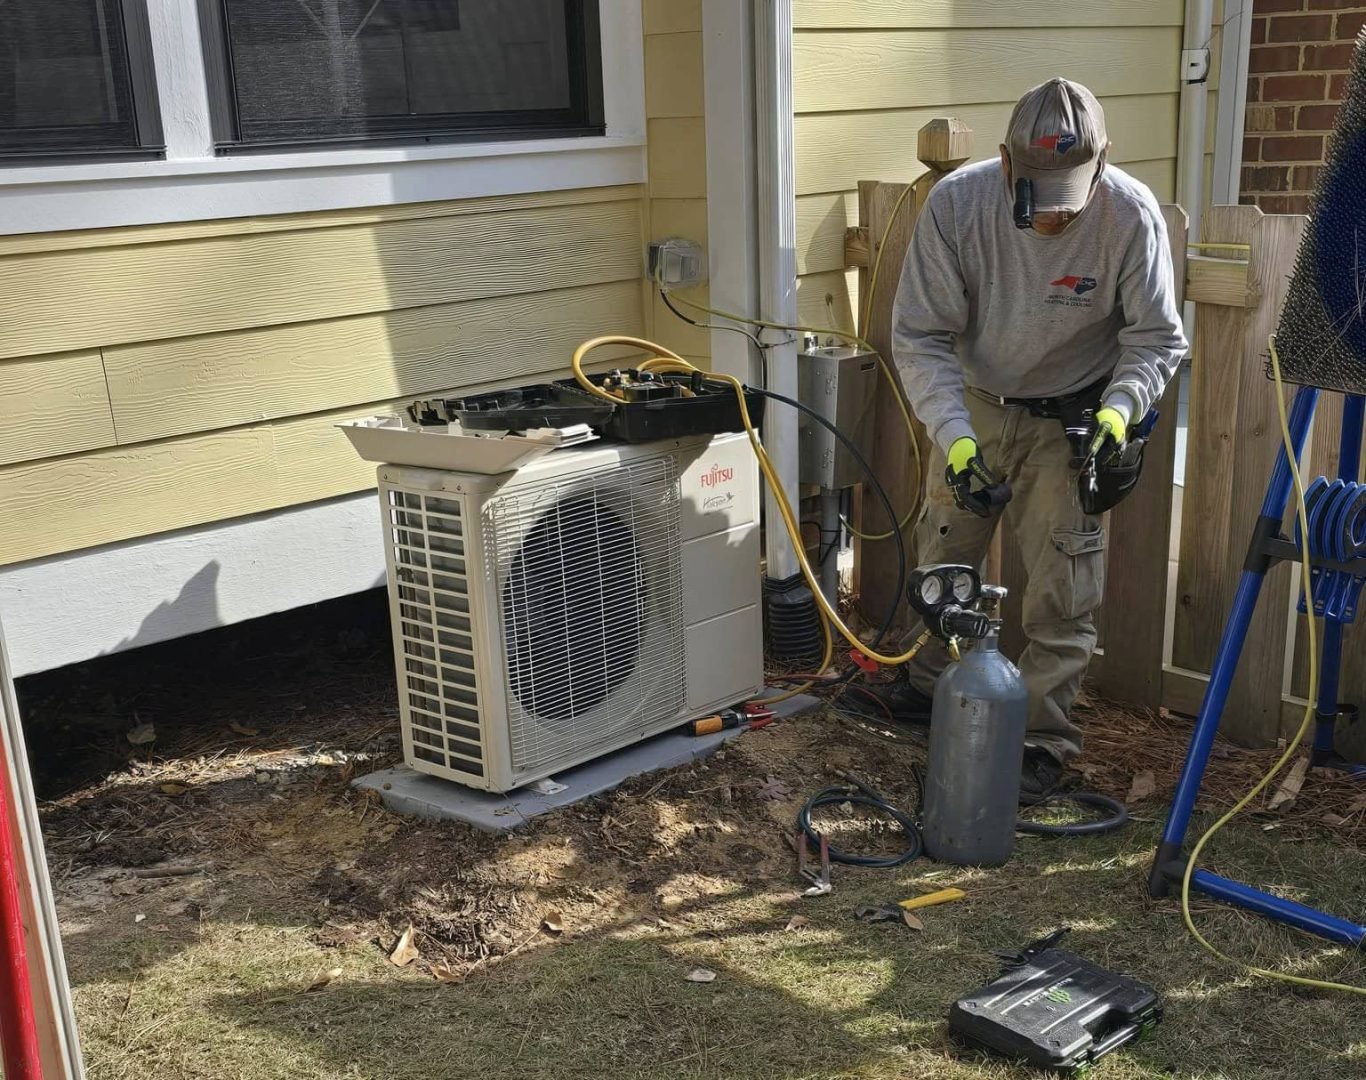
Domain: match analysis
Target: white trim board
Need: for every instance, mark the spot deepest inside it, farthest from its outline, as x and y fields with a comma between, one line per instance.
x=192, y=183
x=73, y=607
x=732, y=230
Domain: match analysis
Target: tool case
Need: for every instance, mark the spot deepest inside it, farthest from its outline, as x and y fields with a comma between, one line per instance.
x=1054, y=1010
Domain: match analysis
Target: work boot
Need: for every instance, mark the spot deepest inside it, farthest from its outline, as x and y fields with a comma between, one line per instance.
x=904, y=702
x=1040, y=777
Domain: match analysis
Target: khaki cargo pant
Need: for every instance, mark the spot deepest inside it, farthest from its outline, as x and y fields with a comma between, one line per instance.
x=1063, y=552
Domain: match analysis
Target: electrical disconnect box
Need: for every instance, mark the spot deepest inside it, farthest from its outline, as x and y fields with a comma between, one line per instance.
x=676, y=263
x=840, y=383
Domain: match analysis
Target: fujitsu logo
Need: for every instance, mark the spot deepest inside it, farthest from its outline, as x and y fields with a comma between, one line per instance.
x=717, y=475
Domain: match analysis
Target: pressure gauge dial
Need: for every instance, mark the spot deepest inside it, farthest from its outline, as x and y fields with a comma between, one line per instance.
x=932, y=588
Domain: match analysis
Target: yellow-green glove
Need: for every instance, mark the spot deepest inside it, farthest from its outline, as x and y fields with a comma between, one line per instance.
x=961, y=454
x=965, y=465
x=1112, y=429
x=1115, y=420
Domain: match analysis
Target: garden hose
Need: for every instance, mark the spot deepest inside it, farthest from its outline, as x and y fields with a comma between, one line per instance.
x=1311, y=627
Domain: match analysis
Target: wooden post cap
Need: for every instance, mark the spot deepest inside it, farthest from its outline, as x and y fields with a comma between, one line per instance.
x=944, y=143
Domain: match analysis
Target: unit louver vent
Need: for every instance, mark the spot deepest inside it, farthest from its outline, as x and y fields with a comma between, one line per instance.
x=439, y=668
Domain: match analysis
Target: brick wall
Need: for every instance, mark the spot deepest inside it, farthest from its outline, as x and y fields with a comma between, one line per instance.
x=1301, y=50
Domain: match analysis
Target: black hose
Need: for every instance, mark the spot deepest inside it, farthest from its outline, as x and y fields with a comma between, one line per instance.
x=881, y=494
x=1119, y=816
x=860, y=794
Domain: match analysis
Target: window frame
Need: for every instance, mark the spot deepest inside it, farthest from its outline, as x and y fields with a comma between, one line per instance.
x=586, y=89
x=148, y=139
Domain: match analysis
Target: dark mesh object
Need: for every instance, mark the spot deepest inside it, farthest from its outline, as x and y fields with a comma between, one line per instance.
x=1321, y=339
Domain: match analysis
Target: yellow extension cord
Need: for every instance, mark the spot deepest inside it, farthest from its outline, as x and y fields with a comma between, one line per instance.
x=1305, y=571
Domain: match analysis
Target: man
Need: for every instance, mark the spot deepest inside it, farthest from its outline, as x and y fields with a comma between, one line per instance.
x=1019, y=303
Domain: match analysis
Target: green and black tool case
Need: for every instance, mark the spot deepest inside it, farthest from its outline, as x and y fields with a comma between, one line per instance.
x=1054, y=1010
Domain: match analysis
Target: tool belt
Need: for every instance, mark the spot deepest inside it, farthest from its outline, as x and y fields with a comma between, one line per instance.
x=1101, y=484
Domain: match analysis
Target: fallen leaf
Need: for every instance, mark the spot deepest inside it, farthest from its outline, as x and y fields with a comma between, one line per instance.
x=553, y=922
x=139, y=918
x=124, y=887
x=910, y=919
x=1290, y=786
x=701, y=975
x=773, y=788
x=405, y=952
x=797, y=922
x=1144, y=784
x=446, y=974
x=322, y=980
x=242, y=729
x=174, y=789
x=142, y=734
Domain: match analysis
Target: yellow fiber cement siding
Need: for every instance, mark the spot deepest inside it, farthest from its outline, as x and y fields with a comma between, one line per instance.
x=675, y=106
x=173, y=375
x=869, y=73
x=166, y=376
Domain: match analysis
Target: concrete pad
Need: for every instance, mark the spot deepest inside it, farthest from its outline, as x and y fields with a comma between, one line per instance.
x=406, y=791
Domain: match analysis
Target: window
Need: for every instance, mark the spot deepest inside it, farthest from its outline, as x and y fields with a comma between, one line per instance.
x=76, y=77
x=309, y=71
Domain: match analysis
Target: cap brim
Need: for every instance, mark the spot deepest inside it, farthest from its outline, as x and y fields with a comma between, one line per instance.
x=1061, y=189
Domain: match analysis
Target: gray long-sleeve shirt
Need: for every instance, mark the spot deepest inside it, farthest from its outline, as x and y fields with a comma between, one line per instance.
x=984, y=304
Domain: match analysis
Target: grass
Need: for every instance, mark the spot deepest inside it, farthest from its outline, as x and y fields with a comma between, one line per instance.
x=299, y=877
x=837, y=998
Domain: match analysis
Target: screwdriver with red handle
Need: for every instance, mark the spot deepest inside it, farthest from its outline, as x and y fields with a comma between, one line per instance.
x=731, y=718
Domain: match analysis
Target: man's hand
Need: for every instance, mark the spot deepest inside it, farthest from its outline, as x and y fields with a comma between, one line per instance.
x=965, y=465
x=1112, y=428
x=961, y=454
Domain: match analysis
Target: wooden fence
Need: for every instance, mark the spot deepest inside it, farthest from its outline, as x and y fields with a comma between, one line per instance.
x=1174, y=553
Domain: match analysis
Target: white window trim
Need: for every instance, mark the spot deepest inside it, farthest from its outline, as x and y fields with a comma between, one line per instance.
x=193, y=184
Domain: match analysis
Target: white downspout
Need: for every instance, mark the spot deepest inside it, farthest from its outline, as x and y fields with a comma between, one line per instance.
x=1195, y=68
x=777, y=228
x=1229, y=121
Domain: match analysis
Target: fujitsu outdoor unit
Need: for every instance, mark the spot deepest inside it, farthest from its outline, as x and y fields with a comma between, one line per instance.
x=594, y=597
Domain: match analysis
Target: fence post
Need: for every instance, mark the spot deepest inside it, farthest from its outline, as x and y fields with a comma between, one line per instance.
x=1134, y=615
x=943, y=145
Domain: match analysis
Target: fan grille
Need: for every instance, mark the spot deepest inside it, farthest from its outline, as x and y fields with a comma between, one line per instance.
x=591, y=591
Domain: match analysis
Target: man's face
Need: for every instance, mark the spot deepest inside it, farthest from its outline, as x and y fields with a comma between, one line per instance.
x=1046, y=222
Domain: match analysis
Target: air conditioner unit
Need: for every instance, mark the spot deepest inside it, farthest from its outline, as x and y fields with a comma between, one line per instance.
x=590, y=599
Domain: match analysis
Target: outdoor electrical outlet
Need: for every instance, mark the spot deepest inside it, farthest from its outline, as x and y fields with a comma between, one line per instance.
x=676, y=263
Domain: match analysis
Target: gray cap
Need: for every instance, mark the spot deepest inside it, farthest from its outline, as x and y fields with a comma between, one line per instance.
x=1056, y=138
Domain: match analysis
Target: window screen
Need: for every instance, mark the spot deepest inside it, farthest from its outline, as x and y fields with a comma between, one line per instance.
x=75, y=77
x=347, y=70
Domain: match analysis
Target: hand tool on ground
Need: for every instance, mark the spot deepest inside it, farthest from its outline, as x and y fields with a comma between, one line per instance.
x=943, y=896
x=753, y=717
x=820, y=882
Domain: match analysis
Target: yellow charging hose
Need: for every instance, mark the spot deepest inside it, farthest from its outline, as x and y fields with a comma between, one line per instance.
x=667, y=360
x=889, y=376
x=1312, y=634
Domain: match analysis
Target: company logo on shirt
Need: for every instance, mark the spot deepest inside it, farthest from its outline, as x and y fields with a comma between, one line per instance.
x=1059, y=143
x=1076, y=283
x=1077, y=286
